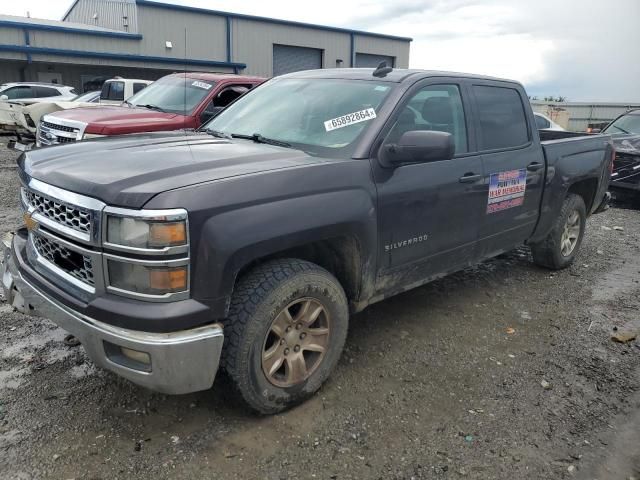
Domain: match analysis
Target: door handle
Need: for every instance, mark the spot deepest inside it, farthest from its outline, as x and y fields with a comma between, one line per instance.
x=535, y=166
x=469, y=178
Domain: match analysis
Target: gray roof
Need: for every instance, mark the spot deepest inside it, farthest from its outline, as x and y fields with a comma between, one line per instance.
x=53, y=23
x=396, y=75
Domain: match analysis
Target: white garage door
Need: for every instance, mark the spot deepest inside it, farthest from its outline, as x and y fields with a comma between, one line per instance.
x=287, y=59
x=367, y=60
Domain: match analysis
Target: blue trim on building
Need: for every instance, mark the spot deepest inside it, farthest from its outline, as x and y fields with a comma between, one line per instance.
x=57, y=28
x=148, y=3
x=119, y=56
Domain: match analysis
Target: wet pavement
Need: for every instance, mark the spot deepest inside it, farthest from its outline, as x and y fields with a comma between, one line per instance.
x=502, y=371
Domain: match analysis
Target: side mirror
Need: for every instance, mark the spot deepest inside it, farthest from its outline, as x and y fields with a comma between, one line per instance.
x=418, y=146
x=209, y=114
x=4, y=97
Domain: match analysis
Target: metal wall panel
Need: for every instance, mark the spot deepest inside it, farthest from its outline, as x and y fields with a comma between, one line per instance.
x=581, y=114
x=206, y=34
x=384, y=46
x=114, y=14
x=367, y=60
x=287, y=59
x=252, y=43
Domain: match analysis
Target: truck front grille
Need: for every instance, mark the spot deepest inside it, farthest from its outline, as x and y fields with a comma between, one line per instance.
x=54, y=134
x=73, y=263
x=67, y=215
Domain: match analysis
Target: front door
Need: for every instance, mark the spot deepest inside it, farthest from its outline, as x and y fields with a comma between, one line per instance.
x=429, y=213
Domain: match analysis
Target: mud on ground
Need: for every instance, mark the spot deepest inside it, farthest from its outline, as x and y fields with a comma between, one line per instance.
x=502, y=371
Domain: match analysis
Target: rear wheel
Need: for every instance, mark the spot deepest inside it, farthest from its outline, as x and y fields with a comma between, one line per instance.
x=287, y=325
x=561, y=246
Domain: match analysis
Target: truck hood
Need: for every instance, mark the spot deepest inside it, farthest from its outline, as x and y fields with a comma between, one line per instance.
x=117, y=120
x=129, y=170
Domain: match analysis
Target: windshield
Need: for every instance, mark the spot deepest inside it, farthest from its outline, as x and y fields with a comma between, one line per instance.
x=625, y=124
x=175, y=94
x=87, y=97
x=322, y=116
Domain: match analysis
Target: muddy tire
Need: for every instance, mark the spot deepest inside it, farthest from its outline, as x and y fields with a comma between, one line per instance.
x=287, y=325
x=561, y=246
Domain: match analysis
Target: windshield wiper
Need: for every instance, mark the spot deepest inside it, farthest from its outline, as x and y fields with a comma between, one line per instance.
x=256, y=137
x=152, y=107
x=217, y=133
x=621, y=129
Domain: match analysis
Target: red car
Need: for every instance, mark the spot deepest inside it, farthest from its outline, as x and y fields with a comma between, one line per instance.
x=177, y=101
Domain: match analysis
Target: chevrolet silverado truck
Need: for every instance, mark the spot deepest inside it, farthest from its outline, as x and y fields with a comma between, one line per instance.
x=247, y=245
x=176, y=101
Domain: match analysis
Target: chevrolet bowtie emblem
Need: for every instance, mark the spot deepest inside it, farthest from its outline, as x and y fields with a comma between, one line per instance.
x=29, y=221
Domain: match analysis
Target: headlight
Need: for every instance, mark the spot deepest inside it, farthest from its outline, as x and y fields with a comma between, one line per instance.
x=88, y=136
x=147, y=279
x=154, y=230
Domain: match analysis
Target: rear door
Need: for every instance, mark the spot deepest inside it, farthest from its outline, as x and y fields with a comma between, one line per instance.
x=513, y=165
x=428, y=213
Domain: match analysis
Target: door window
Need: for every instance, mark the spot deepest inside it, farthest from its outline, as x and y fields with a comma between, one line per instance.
x=502, y=120
x=42, y=92
x=437, y=108
x=541, y=122
x=16, y=93
x=138, y=86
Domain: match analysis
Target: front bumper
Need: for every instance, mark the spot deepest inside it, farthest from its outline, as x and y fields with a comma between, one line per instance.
x=173, y=363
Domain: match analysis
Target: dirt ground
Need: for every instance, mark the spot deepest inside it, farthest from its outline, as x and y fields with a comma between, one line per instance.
x=504, y=371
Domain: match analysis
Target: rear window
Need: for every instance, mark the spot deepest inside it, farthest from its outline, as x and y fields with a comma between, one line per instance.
x=113, y=91
x=138, y=86
x=503, y=123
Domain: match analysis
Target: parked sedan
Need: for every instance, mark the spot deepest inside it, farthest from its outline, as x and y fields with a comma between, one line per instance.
x=30, y=92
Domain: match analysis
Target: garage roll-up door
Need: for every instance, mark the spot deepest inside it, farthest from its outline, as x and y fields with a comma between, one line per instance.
x=287, y=59
x=367, y=60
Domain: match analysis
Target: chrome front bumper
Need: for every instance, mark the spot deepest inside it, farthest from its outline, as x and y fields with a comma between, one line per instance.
x=172, y=363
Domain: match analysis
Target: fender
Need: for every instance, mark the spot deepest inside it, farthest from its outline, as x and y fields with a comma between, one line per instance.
x=246, y=218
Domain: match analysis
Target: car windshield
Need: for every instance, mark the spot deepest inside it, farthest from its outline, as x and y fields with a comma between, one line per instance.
x=320, y=116
x=175, y=94
x=87, y=97
x=625, y=124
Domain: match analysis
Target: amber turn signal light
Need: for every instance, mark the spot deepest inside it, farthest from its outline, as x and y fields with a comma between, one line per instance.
x=167, y=234
x=168, y=279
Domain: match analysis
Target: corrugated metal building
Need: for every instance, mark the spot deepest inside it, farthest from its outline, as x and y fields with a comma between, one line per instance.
x=581, y=115
x=148, y=39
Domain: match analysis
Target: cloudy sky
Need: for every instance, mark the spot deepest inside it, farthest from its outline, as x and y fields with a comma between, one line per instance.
x=585, y=50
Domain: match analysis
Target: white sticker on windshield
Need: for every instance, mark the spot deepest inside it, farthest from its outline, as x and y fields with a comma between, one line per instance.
x=350, y=119
x=204, y=85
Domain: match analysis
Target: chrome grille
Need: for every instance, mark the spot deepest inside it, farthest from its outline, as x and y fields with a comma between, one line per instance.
x=61, y=128
x=73, y=263
x=67, y=215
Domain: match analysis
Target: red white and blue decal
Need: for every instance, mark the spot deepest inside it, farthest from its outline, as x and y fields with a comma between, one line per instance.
x=506, y=190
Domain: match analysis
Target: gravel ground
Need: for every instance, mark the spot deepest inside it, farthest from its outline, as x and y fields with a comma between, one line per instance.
x=501, y=371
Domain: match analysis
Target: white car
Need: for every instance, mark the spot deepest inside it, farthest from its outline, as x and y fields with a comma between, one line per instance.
x=117, y=90
x=32, y=92
x=545, y=123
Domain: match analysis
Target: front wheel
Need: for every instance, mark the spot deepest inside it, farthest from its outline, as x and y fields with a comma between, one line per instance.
x=287, y=325
x=561, y=246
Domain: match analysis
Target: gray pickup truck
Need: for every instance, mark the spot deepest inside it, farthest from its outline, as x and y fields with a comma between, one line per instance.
x=246, y=246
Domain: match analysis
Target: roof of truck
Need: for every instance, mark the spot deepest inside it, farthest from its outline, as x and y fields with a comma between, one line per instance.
x=396, y=75
x=217, y=77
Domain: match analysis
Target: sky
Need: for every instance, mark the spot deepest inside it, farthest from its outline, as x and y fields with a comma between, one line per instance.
x=584, y=50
